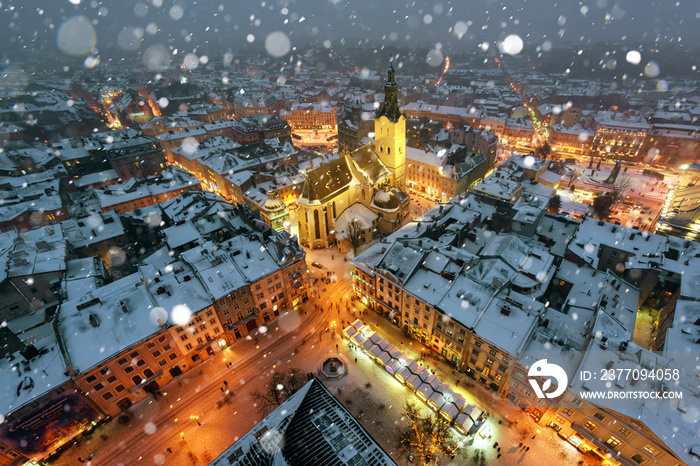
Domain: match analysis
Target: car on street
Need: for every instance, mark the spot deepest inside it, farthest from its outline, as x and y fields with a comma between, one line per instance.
x=316, y=264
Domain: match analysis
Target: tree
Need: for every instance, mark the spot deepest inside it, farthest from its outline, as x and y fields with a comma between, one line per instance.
x=544, y=150
x=278, y=389
x=427, y=436
x=603, y=204
x=622, y=185
x=554, y=204
x=355, y=234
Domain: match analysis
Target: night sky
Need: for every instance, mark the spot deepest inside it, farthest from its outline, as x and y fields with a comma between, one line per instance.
x=215, y=26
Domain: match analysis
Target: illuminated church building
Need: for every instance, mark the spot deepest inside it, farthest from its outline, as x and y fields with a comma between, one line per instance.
x=366, y=184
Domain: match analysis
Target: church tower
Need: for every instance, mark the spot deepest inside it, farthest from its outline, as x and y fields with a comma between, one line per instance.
x=390, y=132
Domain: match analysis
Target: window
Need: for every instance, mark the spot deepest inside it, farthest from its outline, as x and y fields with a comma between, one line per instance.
x=91, y=379
x=134, y=354
x=172, y=356
x=162, y=339
x=107, y=396
x=129, y=370
x=98, y=387
x=477, y=343
x=590, y=425
x=140, y=363
x=567, y=412
x=137, y=379
x=637, y=458
x=119, y=388
x=148, y=373
x=162, y=362
x=600, y=416
x=506, y=360
x=156, y=353
x=104, y=371
x=167, y=347
x=493, y=352
x=489, y=361
x=624, y=432
x=613, y=441
x=122, y=361
x=111, y=379
x=649, y=448
x=183, y=338
x=502, y=368
x=260, y=296
x=150, y=345
x=486, y=370
x=188, y=346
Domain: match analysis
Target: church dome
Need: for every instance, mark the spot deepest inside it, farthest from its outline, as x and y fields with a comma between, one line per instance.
x=385, y=199
x=273, y=203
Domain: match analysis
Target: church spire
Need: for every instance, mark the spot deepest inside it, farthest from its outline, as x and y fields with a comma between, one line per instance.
x=390, y=106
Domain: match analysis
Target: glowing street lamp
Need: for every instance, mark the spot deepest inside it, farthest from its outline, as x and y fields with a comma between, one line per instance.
x=196, y=419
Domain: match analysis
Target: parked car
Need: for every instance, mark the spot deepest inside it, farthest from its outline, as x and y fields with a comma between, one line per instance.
x=316, y=264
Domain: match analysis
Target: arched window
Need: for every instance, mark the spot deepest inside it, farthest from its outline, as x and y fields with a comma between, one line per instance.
x=317, y=227
x=137, y=379
x=388, y=150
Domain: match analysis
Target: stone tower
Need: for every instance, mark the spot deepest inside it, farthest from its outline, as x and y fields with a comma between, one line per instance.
x=390, y=132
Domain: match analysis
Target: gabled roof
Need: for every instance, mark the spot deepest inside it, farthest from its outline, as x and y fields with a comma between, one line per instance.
x=328, y=180
x=368, y=163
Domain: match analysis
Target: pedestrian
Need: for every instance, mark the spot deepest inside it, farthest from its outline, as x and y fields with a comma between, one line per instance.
x=81, y=460
x=527, y=449
x=169, y=450
x=222, y=389
x=499, y=449
x=226, y=384
x=498, y=456
x=520, y=445
x=355, y=359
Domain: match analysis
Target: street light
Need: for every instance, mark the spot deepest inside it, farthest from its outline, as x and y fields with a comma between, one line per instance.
x=538, y=431
x=196, y=419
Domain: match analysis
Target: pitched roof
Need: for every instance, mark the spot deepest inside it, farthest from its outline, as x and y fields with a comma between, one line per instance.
x=311, y=428
x=368, y=163
x=330, y=179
